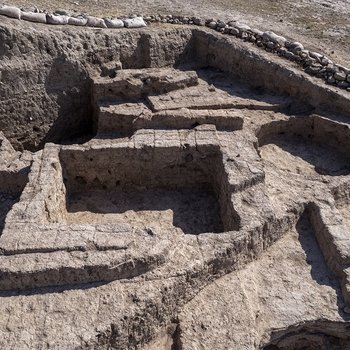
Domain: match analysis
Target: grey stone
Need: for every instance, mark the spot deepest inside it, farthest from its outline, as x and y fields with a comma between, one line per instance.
x=212, y=25
x=95, y=22
x=235, y=31
x=271, y=36
x=331, y=79
x=34, y=17
x=56, y=20
x=136, y=22
x=198, y=21
x=221, y=25
x=341, y=76
x=343, y=68
x=343, y=84
x=10, y=11
x=77, y=21
x=271, y=45
x=313, y=69
x=114, y=23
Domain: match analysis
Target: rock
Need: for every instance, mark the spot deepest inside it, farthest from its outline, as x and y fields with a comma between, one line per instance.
x=317, y=56
x=212, y=25
x=198, y=21
x=34, y=17
x=271, y=36
x=313, y=69
x=227, y=30
x=322, y=73
x=290, y=56
x=325, y=61
x=10, y=11
x=348, y=78
x=296, y=47
x=309, y=61
x=340, y=76
x=57, y=20
x=136, y=22
x=242, y=27
x=234, y=31
x=331, y=69
x=95, y=22
x=77, y=21
x=343, y=84
x=331, y=80
x=343, y=68
x=271, y=45
x=114, y=23
x=221, y=25
x=257, y=32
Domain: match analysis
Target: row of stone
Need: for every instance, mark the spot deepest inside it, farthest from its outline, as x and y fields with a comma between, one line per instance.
x=313, y=63
x=63, y=18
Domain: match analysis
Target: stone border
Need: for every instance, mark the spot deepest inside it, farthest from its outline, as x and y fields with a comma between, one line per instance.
x=313, y=63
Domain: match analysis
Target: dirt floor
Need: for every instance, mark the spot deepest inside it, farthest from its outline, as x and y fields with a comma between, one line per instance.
x=321, y=25
x=194, y=212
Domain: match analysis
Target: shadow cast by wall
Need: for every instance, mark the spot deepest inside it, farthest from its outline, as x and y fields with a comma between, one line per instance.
x=193, y=211
x=320, y=272
x=69, y=84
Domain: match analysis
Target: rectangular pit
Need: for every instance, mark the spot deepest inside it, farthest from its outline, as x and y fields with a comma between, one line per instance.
x=157, y=187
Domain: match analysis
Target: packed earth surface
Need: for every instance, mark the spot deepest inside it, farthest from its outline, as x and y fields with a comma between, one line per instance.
x=175, y=186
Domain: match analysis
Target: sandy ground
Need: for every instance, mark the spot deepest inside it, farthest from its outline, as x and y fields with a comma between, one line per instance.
x=322, y=25
x=193, y=212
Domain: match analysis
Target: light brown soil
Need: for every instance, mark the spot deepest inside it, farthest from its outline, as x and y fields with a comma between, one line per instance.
x=322, y=25
x=193, y=212
x=307, y=158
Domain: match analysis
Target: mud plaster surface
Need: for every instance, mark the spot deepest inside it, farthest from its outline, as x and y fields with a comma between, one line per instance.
x=302, y=157
x=192, y=212
x=267, y=293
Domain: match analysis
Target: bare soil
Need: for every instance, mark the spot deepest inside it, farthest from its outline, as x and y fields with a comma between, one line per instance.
x=298, y=156
x=193, y=212
x=322, y=25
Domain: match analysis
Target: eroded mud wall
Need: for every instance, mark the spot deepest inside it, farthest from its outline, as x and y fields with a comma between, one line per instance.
x=45, y=74
x=262, y=70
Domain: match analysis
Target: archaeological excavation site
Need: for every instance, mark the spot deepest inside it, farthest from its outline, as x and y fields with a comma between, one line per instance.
x=174, y=184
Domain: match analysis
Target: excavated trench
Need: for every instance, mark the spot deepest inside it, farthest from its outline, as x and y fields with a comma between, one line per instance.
x=160, y=186
x=308, y=145
x=159, y=128
x=46, y=89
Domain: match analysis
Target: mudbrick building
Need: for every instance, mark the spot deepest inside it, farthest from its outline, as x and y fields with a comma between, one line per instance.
x=171, y=187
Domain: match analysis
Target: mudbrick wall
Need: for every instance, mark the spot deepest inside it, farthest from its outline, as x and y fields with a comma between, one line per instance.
x=45, y=74
x=45, y=81
x=211, y=198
